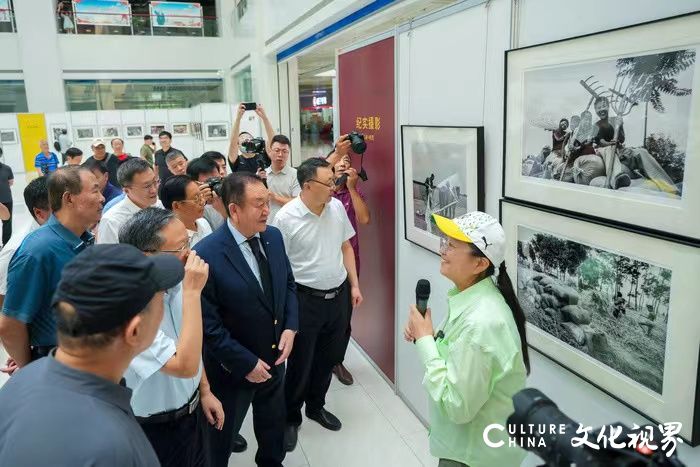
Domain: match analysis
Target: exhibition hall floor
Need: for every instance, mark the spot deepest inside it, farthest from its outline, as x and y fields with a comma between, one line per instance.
x=378, y=428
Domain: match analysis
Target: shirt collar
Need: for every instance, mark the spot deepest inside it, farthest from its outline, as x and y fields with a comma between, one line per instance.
x=130, y=206
x=90, y=384
x=76, y=243
x=284, y=170
x=237, y=236
x=462, y=302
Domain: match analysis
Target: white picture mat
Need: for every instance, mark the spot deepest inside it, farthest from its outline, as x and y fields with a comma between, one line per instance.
x=676, y=404
x=126, y=135
x=187, y=129
x=647, y=211
x=462, y=136
x=78, y=128
x=14, y=135
x=225, y=125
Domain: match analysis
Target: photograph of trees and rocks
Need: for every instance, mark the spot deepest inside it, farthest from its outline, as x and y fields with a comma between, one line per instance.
x=607, y=305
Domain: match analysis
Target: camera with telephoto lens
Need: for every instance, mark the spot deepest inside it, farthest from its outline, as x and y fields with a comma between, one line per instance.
x=215, y=183
x=552, y=441
x=357, y=142
x=254, y=146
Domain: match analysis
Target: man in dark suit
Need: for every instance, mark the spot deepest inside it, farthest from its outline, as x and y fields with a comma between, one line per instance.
x=250, y=320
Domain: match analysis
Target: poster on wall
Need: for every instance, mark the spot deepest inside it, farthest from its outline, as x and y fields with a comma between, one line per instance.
x=443, y=171
x=156, y=128
x=103, y=12
x=110, y=131
x=612, y=306
x=84, y=133
x=176, y=15
x=180, y=129
x=608, y=131
x=5, y=12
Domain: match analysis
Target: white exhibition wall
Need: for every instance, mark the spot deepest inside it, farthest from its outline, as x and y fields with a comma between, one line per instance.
x=450, y=72
x=191, y=145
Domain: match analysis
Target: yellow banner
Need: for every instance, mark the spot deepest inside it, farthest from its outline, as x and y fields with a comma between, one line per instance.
x=32, y=129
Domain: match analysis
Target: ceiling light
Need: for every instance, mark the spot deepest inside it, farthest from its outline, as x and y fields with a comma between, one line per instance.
x=325, y=74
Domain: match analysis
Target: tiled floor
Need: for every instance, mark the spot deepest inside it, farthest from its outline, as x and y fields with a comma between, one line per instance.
x=378, y=428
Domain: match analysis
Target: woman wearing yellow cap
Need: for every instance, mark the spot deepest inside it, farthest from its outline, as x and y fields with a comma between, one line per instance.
x=478, y=359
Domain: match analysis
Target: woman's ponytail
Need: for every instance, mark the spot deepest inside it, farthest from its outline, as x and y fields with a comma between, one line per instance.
x=506, y=287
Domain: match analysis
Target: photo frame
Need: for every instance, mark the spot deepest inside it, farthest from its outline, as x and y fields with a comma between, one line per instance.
x=629, y=151
x=110, y=131
x=56, y=131
x=84, y=133
x=156, y=128
x=443, y=173
x=216, y=131
x=614, y=309
x=133, y=131
x=8, y=136
x=181, y=129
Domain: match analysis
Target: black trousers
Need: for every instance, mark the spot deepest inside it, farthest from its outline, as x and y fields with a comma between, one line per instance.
x=318, y=347
x=7, y=225
x=267, y=400
x=180, y=443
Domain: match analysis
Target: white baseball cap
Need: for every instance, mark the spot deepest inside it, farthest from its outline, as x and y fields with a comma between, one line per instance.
x=478, y=228
x=97, y=142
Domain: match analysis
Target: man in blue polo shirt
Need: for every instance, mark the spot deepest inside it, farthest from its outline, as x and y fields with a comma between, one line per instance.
x=27, y=323
x=46, y=161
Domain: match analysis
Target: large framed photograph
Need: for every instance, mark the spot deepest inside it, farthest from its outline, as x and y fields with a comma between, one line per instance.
x=133, y=131
x=8, y=136
x=110, y=131
x=443, y=173
x=216, y=131
x=609, y=131
x=156, y=128
x=181, y=129
x=56, y=131
x=84, y=133
x=614, y=306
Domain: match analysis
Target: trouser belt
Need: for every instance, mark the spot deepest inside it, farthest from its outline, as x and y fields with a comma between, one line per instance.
x=325, y=294
x=172, y=415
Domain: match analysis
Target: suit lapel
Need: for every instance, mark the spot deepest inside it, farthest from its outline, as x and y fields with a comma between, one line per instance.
x=234, y=254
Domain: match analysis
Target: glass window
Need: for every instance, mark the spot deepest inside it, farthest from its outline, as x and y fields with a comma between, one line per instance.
x=7, y=16
x=243, y=83
x=13, y=97
x=142, y=94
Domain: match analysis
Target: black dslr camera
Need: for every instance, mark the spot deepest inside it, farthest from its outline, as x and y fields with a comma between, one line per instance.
x=357, y=142
x=539, y=426
x=254, y=146
x=215, y=183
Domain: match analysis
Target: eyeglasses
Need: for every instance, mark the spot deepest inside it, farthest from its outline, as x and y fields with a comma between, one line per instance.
x=281, y=151
x=446, y=246
x=330, y=184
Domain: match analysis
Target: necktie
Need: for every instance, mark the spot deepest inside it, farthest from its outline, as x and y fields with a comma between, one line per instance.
x=264, y=267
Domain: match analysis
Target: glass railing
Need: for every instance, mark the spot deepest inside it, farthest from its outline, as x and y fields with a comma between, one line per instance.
x=118, y=18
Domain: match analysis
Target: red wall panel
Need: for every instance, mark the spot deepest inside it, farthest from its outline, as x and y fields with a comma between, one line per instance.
x=366, y=94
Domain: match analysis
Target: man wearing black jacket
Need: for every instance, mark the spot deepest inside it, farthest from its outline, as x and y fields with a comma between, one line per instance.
x=248, y=339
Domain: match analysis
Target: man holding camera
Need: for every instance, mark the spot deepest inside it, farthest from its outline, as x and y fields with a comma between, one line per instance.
x=253, y=157
x=206, y=172
x=281, y=178
x=349, y=194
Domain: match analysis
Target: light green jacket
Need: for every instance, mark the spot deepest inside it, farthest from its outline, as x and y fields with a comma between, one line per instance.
x=471, y=374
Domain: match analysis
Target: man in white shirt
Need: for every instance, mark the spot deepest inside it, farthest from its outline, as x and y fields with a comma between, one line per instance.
x=316, y=232
x=140, y=184
x=167, y=379
x=281, y=179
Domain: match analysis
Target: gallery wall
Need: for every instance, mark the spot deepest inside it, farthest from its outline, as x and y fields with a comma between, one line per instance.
x=450, y=72
x=192, y=143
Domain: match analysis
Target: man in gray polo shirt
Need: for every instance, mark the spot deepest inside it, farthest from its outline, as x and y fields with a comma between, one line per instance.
x=281, y=178
x=69, y=408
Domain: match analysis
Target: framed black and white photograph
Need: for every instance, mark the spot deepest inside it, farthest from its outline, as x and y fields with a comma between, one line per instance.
x=616, y=307
x=442, y=174
x=608, y=131
x=84, y=133
x=56, y=131
x=216, y=131
x=156, y=128
x=8, y=136
x=181, y=129
x=133, y=131
x=110, y=131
